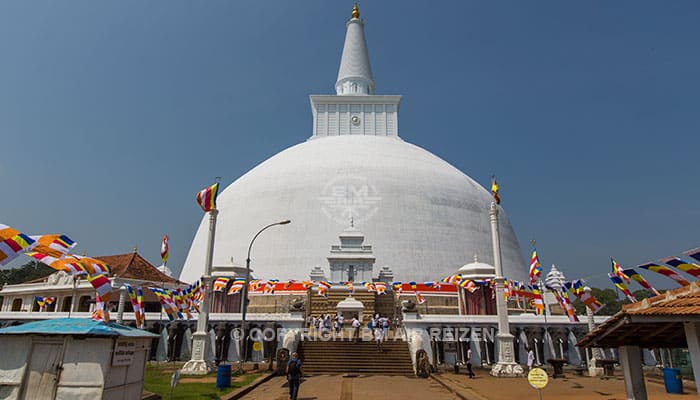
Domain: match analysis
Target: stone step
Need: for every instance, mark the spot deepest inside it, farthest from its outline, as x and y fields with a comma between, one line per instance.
x=340, y=356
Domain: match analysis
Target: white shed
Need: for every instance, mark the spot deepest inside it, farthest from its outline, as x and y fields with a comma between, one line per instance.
x=72, y=359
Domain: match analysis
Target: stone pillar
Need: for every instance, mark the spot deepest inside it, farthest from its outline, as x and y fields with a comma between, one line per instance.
x=692, y=336
x=596, y=353
x=506, y=365
x=199, y=365
x=631, y=361
x=120, y=307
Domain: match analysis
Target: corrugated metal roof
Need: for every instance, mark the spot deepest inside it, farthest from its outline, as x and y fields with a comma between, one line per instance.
x=75, y=326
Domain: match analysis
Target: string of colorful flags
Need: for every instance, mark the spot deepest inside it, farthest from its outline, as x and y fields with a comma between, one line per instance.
x=54, y=251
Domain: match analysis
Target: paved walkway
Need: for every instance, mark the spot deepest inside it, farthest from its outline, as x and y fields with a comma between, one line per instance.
x=486, y=387
x=337, y=387
x=483, y=387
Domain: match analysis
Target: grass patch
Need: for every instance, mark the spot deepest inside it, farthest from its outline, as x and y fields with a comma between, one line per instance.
x=157, y=380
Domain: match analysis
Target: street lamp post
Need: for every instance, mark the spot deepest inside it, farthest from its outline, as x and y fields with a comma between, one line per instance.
x=244, y=297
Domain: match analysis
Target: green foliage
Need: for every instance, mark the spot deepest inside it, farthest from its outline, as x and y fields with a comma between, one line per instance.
x=27, y=272
x=157, y=380
x=612, y=300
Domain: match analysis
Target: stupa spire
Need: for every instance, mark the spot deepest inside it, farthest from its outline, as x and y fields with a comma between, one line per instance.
x=355, y=73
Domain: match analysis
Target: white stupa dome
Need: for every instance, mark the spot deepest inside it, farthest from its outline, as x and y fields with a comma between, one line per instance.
x=420, y=214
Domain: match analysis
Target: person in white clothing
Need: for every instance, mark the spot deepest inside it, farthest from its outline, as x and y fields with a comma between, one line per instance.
x=530, y=358
x=469, y=364
x=356, y=329
x=378, y=335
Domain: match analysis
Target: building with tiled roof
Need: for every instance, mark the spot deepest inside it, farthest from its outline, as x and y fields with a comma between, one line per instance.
x=671, y=320
x=75, y=295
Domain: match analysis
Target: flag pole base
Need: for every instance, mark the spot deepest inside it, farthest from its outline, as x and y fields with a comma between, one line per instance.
x=506, y=367
x=198, y=365
x=507, y=370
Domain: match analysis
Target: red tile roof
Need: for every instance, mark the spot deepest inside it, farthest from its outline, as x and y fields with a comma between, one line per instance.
x=133, y=266
x=653, y=322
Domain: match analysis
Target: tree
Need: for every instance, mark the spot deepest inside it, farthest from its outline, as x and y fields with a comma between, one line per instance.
x=611, y=304
x=27, y=272
x=612, y=300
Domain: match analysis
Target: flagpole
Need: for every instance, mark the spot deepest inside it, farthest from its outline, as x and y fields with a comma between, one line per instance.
x=198, y=364
x=506, y=365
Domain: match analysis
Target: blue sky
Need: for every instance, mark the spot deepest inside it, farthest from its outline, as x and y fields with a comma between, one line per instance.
x=114, y=114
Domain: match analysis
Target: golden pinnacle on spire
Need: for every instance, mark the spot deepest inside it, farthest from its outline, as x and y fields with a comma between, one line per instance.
x=355, y=12
x=136, y=249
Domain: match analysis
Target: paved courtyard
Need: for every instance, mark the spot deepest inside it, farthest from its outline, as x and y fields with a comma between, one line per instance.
x=484, y=387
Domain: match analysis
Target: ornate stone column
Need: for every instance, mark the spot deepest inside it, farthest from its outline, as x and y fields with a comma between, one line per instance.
x=198, y=365
x=506, y=365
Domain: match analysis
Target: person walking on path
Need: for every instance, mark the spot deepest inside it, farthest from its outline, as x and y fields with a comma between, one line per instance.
x=341, y=322
x=530, y=359
x=378, y=334
x=356, y=329
x=470, y=372
x=385, y=327
x=327, y=324
x=294, y=375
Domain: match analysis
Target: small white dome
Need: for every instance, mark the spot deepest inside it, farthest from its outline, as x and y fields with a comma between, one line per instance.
x=477, y=270
x=164, y=269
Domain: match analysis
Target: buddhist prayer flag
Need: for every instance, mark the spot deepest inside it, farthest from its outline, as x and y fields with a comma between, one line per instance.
x=220, y=284
x=164, y=249
x=133, y=298
x=685, y=266
x=397, y=287
x=100, y=314
x=12, y=243
x=434, y=284
x=570, y=310
x=270, y=286
x=413, y=285
x=53, y=245
x=166, y=301
x=535, y=267
x=142, y=310
x=323, y=288
x=307, y=284
x=454, y=279
x=617, y=281
x=469, y=285
x=92, y=265
x=182, y=303
x=494, y=190
x=618, y=271
x=369, y=286
x=236, y=286
x=576, y=287
x=44, y=301
x=206, y=198
x=665, y=271
x=538, y=303
x=102, y=285
x=381, y=287
x=351, y=288
x=695, y=253
x=640, y=279
x=419, y=298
